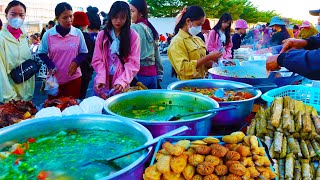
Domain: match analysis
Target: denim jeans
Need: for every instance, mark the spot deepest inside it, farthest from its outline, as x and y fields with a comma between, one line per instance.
x=149, y=81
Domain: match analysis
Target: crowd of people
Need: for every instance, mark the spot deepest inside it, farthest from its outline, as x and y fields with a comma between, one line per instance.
x=126, y=47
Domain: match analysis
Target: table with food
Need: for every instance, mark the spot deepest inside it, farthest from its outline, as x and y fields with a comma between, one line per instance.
x=242, y=122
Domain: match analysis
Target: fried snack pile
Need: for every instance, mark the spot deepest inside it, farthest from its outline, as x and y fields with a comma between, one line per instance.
x=291, y=130
x=239, y=158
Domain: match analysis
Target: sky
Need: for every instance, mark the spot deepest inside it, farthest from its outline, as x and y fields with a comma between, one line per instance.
x=297, y=9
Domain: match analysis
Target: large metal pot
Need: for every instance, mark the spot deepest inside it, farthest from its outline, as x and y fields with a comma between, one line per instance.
x=232, y=117
x=34, y=128
x=254, y=75
x=199, y=126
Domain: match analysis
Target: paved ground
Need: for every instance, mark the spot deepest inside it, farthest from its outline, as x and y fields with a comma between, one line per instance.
x=167, y=79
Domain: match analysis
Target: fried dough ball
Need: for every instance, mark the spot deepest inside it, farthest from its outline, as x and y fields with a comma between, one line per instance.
x=203, y=149
x=223, y=177
x=152, y=173
x=246, y=141
x=246, y=175
x=238, y=169
x=234, y=138
x=233, y=156
x=221, y=170
x=198, y=142
x=184, y=143
x=195, y=159
x=218, y=150
x=253, y=172
x=261, y=160
x=178, y=163
x=171, y=176
x=244, y=151
x=258, y=151
x=254, y=142
x=232, y=147
x=163, y=165
x=205, y=168
x=247, y=161
x=211, y=140
x=213, y=159
x=188, y=172
x=229, y=163
x=174, y=150
x=158, y=156
x=233, y=177
x=211, y=177
x=189, y=152
x=163, y=151
x=197, y=177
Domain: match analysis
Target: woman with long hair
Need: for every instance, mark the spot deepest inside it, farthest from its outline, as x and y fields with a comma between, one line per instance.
x=220, y=37
x=187, y=52
x=116, y=57
x=151, y=69
x=280, y=31
x=14, y=50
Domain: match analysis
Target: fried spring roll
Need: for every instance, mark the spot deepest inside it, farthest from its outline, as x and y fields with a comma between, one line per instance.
x=276, y=111
x=314, y=112
x=299, y=149
x=263, y=123
x=309, y=108
x=279, y=128
x=286, y=119
x=284, y=148
x=281, y=168
x=316, y=121
x=268, y=141
x=298, y=107
x=276, y=167
x=297, y=170
x=312, y=153
x=298, y=121
x=306, y=123
x=251, y=130
x=304, y=149
x=288, y=103
x=315, y=146
x=271, y=151
x=268, y=113
x=305, y=169
x=278, y=141
x=292, y=145
x=289, y=166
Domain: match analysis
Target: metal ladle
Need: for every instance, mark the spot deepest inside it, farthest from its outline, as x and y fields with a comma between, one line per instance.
x=220, y=92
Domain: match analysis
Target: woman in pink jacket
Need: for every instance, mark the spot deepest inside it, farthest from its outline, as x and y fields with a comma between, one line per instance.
x=115, y=43
x=220, y=38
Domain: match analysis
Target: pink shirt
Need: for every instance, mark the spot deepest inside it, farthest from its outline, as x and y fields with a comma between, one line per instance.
x=62, y=51
x=214, y=44
x=123, y=74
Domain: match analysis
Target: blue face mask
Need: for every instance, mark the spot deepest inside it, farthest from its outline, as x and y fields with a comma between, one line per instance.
x=194, y=30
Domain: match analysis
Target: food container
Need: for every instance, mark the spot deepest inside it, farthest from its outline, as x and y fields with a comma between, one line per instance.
x=175, y=139
x=234, y=117
x=255, y=75
x=52, y=91
x=199, y=126
x=34, y=128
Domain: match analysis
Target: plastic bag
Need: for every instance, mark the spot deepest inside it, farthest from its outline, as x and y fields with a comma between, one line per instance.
x=52, y=86
x=48, y=112
x=92, y=105
x=72, y=110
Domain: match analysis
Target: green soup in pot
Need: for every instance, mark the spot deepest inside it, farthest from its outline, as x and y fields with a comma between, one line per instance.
x=63, y=154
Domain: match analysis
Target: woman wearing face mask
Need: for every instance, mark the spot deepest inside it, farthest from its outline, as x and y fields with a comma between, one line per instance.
x=220, y=38
x=14, y=50
x=63, y=49
x=280, y=31
x=151, y=69
x=187, y=52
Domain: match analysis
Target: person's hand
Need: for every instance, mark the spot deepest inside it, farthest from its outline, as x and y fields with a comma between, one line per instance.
x=272, y=63
x=72, y=68
x=51, y=72
x=99, y=90
x=292, y=43
x=118, y=88
x=214, y=55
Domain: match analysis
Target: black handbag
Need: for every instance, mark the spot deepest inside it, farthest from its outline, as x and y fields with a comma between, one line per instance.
x=24, y=71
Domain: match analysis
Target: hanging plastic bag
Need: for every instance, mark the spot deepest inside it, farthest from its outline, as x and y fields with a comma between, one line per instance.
x=52, y=86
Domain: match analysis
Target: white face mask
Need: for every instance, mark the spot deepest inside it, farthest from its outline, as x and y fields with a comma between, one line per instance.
x=194, y=30
x=15, y=22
